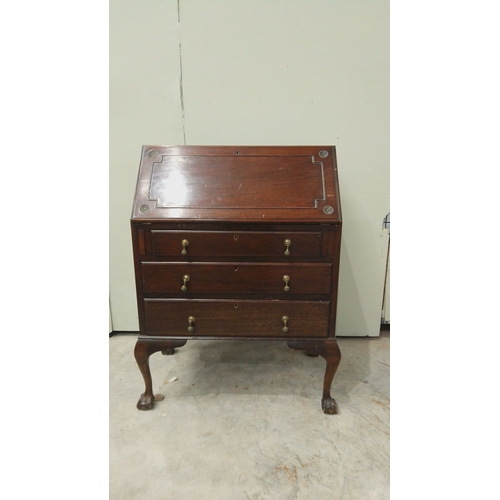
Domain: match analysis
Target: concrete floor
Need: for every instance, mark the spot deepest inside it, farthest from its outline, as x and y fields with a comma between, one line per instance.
x=243, y=420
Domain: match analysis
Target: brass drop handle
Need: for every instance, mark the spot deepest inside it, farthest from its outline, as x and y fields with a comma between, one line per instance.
x=185, y=279
x=286, y=279
x=285, y=323
x=287, y=244
x=184, y=244
x=190, y=323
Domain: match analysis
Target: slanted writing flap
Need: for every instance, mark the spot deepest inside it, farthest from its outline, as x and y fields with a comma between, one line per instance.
x=238, y=183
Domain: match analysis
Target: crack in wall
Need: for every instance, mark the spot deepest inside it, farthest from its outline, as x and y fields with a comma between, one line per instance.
x=181, y=90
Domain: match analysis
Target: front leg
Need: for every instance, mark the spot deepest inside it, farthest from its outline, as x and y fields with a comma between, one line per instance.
x=332, y=356
x=143, y=349
x=330, y=351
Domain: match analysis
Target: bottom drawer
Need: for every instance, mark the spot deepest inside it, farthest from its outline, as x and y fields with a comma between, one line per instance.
x=229, y=318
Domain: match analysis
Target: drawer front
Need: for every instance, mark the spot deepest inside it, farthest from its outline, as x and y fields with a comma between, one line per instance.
x=232, y=244
x=244, y=318
x=244, y=278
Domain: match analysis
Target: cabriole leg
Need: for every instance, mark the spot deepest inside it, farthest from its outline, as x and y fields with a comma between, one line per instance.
x=329, y=350
x=143, y=349
x=332, y=358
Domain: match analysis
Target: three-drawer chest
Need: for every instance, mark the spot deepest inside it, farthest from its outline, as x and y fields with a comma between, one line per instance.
x=237, y=243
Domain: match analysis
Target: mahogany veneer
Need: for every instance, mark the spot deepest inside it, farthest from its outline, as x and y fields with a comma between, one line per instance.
x=237, y=242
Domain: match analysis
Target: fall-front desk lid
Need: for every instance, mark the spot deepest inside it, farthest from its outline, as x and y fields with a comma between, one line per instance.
x=238, y=183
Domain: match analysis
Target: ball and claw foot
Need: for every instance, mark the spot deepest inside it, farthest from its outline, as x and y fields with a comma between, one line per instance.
x=329, y=406
x=147, y=402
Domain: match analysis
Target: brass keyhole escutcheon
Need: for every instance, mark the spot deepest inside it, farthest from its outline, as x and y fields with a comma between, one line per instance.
x=235, y=237
x=286, y=279
x=185, y=279
x=191, y=323
x=184, y=244
x=287, y=244
x=285, y=323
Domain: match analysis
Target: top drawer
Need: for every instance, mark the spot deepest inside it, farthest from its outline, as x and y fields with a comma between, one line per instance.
x=231, y=244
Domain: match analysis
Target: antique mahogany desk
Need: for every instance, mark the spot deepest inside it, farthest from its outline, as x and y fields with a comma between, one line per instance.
x=237, y=243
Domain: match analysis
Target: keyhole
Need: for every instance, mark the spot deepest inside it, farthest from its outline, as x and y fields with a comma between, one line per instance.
x=235, y=237
x=236, y=306
x=235, y=268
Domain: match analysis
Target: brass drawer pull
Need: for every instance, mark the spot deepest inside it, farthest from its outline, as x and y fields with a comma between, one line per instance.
x=185, y=279
x=287, y=244
x=286, y=279
x=285, y=323
x=191, y=323
x=184, y=244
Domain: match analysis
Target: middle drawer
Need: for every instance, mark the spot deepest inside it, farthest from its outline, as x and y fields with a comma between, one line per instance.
x=226, y=277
